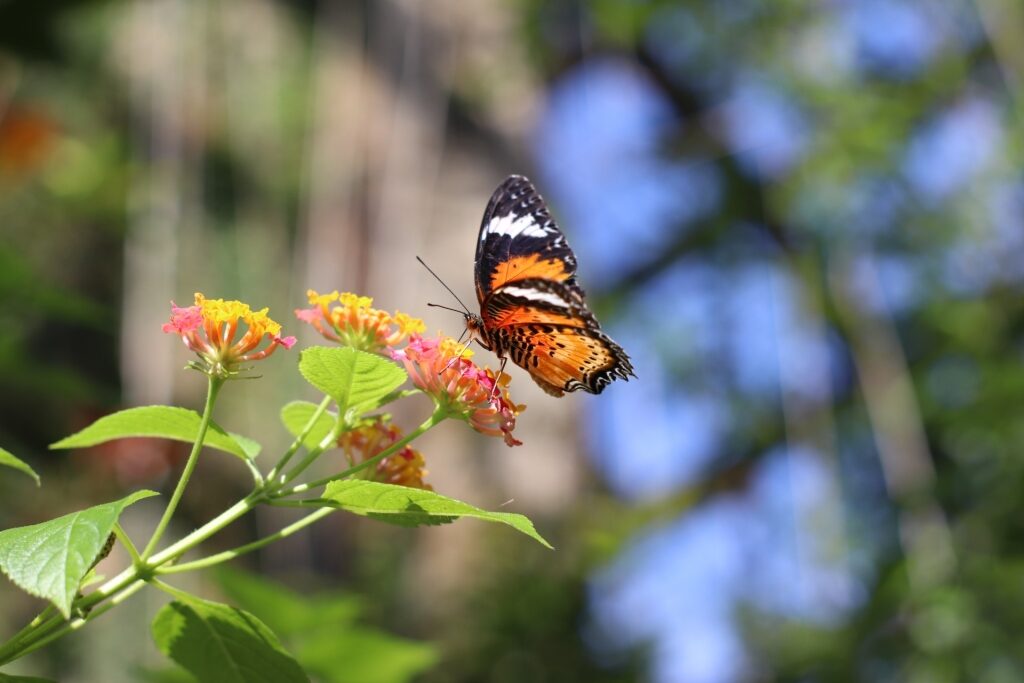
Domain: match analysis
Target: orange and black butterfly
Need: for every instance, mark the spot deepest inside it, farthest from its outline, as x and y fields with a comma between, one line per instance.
x=531, y=308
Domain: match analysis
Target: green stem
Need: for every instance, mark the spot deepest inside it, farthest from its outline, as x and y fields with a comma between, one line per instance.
x=125, y=582
x=49, y=626
x=44, y=639
x=127, y=543
x=213, y=389
x=440, y=413
x=42, y=617
x=299, y=439
x=313, y=454
x=175, y=593
x=249, y=547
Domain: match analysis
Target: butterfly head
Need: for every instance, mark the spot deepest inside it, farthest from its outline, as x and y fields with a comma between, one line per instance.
x=475, y=328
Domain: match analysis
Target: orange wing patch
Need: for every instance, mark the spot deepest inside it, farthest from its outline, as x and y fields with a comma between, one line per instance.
x=528, y=266
x=523, y=315
x=567, y=358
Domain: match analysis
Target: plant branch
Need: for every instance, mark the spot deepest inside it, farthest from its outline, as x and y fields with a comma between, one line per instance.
x=299, y=439
x=436, y=418
x=211, y=396
x=249, y=547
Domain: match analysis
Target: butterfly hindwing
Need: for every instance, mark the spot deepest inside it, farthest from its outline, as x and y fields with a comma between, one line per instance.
x=561, y=358
x=531, y=307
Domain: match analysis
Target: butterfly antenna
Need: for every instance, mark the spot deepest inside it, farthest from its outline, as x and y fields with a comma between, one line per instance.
x=423, y=263
x=447, y=308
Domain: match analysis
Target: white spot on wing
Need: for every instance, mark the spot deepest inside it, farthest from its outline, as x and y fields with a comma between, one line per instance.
x=514, y=226
x=535, y=295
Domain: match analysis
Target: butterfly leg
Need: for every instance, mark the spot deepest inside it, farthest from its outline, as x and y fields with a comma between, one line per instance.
x=457, y=358
x=494, y=389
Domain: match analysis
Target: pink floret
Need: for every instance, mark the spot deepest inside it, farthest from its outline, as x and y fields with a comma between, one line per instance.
x=286, y=342
x=183, y=320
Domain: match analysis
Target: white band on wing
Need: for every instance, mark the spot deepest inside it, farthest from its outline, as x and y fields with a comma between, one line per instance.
x=534, y=295
x=514, y=226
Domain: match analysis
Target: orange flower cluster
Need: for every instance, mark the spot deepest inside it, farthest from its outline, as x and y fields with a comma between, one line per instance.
x=404, y=468
x=210, y=327
x=352, y=321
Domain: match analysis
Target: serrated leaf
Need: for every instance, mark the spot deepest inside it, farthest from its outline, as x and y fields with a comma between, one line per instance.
x=49, y=560
x=348, y=376
x=8, y=459
x=221, y=644
x=285, y=611
x=414, y=507
x=296, y=416
x=364, y=655
x=167, y=422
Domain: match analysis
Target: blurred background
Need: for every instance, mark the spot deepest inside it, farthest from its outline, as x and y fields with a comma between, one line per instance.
x=803, y=219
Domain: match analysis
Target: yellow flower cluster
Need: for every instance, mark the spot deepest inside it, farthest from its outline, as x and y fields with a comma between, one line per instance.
x=219, y=311
x=351, y=320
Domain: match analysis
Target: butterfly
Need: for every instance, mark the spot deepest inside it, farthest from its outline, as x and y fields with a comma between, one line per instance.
x=532, y=310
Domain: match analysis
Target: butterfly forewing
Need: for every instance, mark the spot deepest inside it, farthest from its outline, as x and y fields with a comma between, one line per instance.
x=518, y=240
x=532, y=309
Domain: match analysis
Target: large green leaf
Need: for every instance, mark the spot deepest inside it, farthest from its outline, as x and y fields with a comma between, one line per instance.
x=286, y=612
x=7, y=459
x=50, y=559
x=168, y=422
x=4, y=678
x=296, y=416
x=414, y=507
x=348, y=376
x=221, y=644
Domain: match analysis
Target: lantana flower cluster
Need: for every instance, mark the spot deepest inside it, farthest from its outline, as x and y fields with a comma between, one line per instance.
x=441, y=368
x=404, y=468
x=351, y=320
x=210, y=327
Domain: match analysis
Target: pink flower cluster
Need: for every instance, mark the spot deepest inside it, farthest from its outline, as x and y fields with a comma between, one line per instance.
x=441, y=368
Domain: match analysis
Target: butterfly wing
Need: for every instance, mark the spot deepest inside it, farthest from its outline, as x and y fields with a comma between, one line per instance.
x=533, y=310
x=518, y=240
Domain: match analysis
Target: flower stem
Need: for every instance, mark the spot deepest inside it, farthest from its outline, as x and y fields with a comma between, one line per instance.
x=41, y=618
x=127, y=543
x=299, y=439
x=249, y=547
x=313, y=454
x=213, y=389
x=56, y=629
x=440, y=413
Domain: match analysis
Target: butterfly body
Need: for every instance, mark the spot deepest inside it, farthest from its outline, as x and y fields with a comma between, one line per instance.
x=532, y=310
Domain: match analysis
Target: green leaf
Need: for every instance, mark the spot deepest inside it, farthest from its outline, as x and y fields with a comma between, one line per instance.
x=7, y=459
x=221, y=644
x=49, y=560
x=364, y=655
x=167, y=422
x=295, y=417
x=414, y=507
x=322, y=628
x=4, y=678
x=348, y=376
x=286, y=612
